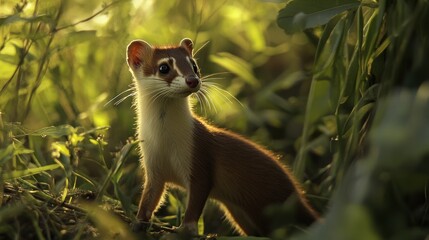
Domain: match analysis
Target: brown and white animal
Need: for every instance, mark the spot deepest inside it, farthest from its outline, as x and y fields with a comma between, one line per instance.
x=180, y=149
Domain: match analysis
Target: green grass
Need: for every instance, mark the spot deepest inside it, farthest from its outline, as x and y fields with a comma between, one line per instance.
x=344, y=103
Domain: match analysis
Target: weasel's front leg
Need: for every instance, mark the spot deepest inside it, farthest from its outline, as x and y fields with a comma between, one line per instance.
x=198, y=193
x=153, y=190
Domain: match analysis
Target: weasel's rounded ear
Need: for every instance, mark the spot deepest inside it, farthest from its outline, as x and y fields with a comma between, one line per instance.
x=188, y=45
x=137, y=52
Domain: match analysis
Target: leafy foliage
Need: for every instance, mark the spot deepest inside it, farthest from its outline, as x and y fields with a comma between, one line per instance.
x=355, y=94
x=344, y=102
x=300, y=15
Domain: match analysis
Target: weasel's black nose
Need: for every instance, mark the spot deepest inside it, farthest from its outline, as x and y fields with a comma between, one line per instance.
x=192, y=81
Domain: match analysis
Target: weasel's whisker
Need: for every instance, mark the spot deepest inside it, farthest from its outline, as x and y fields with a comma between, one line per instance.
x=209, y=84
x=149, y=91
x=203, y=101
x=226, y=95
x=205, y=44
x=222, y=94
x=160, y=94
x=120, y=94
x=210, y=79
x=214, y=74
x=205, y=94
x=206, y=102
x=124, y=98
x=198, y=97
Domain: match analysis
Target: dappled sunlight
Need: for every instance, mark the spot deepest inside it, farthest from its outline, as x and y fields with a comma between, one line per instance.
x=334, y=88
x=88, y=57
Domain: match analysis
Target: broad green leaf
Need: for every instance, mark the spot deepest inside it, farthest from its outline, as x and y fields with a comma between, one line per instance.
x=237, y=66
x=317, y=105
x=315, y=109
x=365, y=104
x=28, y=172
x=372, y=31
x=16, y=18
x=348, y=89
x=401, y=129
x=304, y=14
x=326, y=35
x=353, y=222
x=324, y=63
x=53, y=131
x=285, y=81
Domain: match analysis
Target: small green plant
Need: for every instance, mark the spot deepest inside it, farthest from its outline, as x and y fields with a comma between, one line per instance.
x=41, y=188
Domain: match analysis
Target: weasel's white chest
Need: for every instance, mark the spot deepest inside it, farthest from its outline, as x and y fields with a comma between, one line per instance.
x=167, y=142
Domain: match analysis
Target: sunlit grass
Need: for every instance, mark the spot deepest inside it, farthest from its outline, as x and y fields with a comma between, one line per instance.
x=349, y=115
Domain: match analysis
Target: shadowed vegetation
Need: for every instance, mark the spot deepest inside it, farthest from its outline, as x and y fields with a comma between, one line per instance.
x=337, y=88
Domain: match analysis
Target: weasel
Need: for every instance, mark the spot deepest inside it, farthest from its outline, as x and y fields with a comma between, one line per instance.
x=180, y=149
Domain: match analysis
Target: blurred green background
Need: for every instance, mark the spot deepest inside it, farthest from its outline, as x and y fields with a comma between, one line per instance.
x=62, y=68
x=326, y=85
x=63, y=61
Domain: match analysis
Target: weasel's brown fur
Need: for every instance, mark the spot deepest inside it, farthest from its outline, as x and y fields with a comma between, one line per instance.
x=181, y=149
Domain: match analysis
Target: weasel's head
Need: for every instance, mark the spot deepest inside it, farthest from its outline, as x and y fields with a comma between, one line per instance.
x=164, y=71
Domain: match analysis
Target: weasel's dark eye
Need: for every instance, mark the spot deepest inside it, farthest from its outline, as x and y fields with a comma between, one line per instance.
x=194, y=67
x=164, y=68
